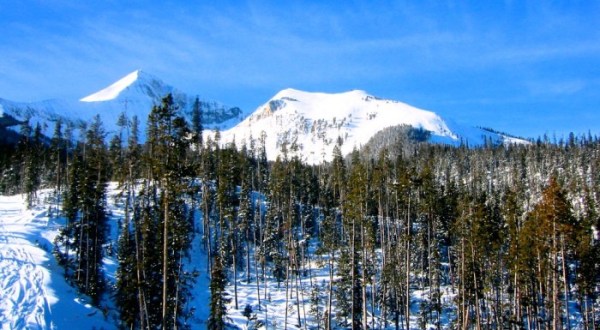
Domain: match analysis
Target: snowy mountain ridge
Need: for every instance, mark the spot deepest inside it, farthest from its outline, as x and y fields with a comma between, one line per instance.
x=135, y=95
x=308, y=124
x=311, y=124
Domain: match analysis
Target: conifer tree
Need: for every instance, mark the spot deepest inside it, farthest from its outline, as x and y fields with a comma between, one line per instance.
x=57, y=162
x=219, y=297
x=84, y=207
x=197, y=126
x=168, y=154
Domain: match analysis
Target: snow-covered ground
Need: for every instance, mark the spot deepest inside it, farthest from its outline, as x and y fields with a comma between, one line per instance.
x=33, y=291
x=35, y=295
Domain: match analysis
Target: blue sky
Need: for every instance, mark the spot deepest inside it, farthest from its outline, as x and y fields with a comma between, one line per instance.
x=525, y=67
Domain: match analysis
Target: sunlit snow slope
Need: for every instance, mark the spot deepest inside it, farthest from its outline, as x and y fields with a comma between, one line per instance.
x=112, y=92
x=33, y=292
x=311, y=124
x=315, y=122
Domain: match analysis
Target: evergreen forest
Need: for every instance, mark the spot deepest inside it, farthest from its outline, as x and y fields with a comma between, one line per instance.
x=409, y=234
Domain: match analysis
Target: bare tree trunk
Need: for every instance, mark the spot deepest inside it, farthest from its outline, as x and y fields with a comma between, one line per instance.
x=477, y=302
x=256, y=270
x=287, y=294
x=206, y=224
x=330, y=295
x=408, y=247
x=364, y=279
x=593, y=317
x=586, y=313
x=248, y=253
x=565, y=281
x=465, y=312
x=235, y=275
x=353, y=276
x=298, y=284
x=555, y=301
x=165, y=258
x=516, y=297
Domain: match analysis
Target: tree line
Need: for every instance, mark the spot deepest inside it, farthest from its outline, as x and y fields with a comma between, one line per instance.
x=491, y=237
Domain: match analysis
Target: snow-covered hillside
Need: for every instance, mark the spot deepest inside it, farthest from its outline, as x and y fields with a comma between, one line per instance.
x=33, y=292
x=135, y=94
x=313, y=123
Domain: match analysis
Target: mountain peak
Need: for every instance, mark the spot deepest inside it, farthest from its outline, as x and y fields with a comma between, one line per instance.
x=134, y=85
x=314, y=122
x=112, y=92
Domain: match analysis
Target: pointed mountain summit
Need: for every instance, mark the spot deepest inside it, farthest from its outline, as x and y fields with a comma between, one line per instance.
x=137, y=83
x=134, y=94
x=112, y=92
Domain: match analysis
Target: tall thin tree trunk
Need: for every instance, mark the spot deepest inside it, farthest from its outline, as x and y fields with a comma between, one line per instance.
x=247, y=252
x=465, y=311
x=287, y=294
x=516, y=297
x=477, y=303
x=235, y=275
x=330, y=295
x=593, y=316
x=298, y=289
x=364, y=278
x=586, y=313
x=256, y=270
x=176, y=307
x=353, y=276
x=555, y=301
x=408, y=247
x=565, y=281
x=165, y=258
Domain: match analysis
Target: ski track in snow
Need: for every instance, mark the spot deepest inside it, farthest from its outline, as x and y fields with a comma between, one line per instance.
x=23, y=300
x=33, y=292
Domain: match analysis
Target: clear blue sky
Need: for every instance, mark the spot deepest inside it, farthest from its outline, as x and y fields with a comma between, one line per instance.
x=525, y=67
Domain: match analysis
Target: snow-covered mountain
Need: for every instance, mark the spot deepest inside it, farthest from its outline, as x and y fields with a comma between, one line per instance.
x=134, y=94
x=311, y=124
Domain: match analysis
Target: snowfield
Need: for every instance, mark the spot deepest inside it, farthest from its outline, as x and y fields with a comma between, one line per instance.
x=33, y=292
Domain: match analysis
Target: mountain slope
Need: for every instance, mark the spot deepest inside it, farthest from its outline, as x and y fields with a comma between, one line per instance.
x=112, y=92
x=313, y=123
x=135, y=94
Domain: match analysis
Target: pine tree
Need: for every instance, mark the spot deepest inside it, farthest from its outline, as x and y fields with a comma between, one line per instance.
x=197, y=126
x=168, y=170
x=354, y=217
x=57, y=162
x=555, y=221
x=219, y=297
x=29, y=161
x=93, y=227
x=86, y=230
